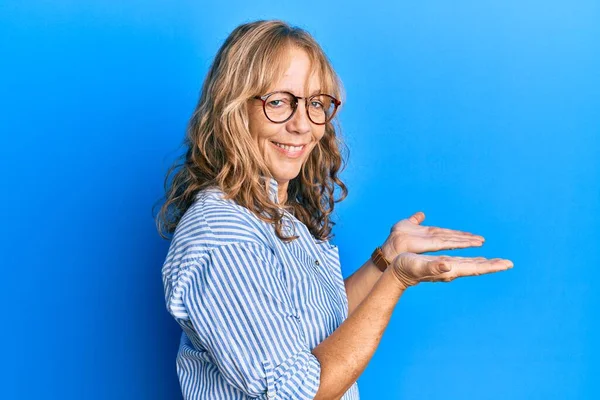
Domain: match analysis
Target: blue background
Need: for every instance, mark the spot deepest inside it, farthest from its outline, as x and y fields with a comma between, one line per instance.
x=483, y=114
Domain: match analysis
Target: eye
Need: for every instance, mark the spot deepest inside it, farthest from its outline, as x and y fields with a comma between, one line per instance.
x=279, y=102
x=316, y=104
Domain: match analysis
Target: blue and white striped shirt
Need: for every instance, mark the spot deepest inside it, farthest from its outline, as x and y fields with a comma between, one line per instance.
x=251, y=306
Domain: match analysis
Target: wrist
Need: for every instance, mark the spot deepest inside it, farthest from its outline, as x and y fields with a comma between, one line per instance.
x=389, y=251
x=404, y=281
x=379, y=259
x=398, y=283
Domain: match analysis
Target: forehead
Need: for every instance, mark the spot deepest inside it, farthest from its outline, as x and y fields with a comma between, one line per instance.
x=297, y=73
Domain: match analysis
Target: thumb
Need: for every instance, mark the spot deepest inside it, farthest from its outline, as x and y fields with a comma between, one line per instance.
x=440, y=267
x=417, y=218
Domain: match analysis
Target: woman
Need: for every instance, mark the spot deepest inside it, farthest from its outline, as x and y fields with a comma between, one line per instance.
x=250, y=274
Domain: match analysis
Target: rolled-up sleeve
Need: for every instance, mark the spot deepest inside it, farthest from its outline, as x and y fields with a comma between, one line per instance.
x=238, y=305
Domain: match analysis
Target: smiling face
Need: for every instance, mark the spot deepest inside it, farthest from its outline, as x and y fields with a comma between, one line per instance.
x=285, y=147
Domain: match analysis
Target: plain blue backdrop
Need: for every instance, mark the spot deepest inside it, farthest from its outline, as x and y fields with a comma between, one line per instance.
x=483, y=114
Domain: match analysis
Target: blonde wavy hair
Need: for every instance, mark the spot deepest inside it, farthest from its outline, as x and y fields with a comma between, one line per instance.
x=220, y=149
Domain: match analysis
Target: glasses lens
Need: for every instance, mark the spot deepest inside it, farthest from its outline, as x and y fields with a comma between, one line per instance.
x=321, y=108
x=279, y=106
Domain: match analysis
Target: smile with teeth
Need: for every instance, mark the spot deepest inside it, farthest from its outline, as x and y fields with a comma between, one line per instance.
x=289, y=148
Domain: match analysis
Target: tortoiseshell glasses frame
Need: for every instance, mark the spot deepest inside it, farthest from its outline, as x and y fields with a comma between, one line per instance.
x=335, y=103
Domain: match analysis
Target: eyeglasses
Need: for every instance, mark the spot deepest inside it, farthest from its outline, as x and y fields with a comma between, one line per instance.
x=280, y=106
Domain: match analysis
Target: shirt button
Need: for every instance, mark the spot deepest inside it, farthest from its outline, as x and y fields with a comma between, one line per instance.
x=317, y=262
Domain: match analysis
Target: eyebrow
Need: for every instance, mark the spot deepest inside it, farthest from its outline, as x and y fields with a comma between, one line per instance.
x=291, y=91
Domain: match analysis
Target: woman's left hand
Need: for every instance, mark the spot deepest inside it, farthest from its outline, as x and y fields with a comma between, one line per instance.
x=409, y=235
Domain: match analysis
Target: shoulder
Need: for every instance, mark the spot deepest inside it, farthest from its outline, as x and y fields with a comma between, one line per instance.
x=209, y=223
x=213, y=221
x=212, y=226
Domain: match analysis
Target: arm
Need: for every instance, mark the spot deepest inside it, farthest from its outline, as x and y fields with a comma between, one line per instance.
x=360, y=283
x=407, y=235
x=244, y=319
x=346, y=352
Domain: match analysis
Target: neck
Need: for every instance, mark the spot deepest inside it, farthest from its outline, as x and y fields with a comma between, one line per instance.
x=282, y=192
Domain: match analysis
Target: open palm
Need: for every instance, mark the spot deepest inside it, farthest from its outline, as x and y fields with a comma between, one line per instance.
x=411, y=269
x=408, y=235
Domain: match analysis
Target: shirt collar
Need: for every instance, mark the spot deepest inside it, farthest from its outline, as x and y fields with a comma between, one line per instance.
x=290, y=219
x=273, y=189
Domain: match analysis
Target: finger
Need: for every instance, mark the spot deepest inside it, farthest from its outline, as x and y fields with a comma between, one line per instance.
x=453, y=235
x=438, y=267
x=464, y=266
x=475, y=259
x=432, y=269
x=434, y=231
x=459, y=246
x=417, y=218
x=444, y=239
x=466, y=260
x=451, y=244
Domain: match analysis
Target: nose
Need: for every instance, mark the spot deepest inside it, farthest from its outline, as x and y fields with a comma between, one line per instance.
x=299, y=122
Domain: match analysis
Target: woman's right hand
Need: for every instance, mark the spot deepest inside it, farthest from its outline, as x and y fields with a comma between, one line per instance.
x=411, y=268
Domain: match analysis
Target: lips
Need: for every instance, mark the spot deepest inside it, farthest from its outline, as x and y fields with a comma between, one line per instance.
x=289, y=144
x=290, y=151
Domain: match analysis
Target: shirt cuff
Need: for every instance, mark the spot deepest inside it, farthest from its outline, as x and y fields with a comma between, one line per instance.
x=296, y=378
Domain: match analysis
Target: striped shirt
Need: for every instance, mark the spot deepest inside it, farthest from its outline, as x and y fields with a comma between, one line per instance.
x=251, y=307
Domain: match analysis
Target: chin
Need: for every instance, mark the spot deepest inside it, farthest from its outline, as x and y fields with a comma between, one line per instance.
x=282, y=176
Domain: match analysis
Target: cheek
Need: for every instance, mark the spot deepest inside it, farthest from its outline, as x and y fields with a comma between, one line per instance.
x=318, y=138
x=319, y=134
x=264, y=133
x=263, y=130
x=253, y=127
x=257, y=124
